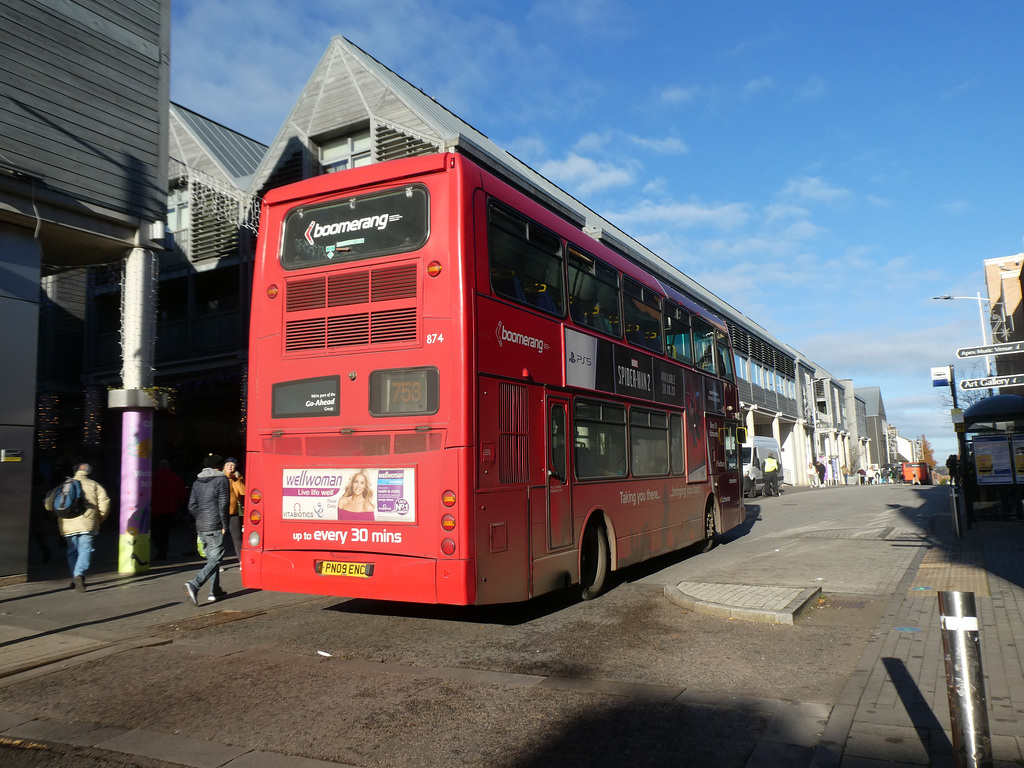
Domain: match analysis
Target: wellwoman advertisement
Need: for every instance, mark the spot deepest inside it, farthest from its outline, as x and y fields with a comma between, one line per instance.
x=379, y=495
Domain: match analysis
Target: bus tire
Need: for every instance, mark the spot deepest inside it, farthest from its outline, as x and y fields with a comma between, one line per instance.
x=710, y=530
x=594, y=561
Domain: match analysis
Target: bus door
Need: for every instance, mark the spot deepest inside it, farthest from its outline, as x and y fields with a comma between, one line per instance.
x=724, y=450
x=559, y=491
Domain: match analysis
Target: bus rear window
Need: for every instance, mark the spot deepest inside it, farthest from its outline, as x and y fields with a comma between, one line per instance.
x=404, y=391
x=356, y=228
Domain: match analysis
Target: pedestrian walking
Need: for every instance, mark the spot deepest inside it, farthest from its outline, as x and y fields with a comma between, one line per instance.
x=208, y=504
x=169, y=495
x=79, y=532
x=236, y=485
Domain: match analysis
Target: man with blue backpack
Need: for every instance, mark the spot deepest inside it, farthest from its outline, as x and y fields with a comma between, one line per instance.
x=81, y=505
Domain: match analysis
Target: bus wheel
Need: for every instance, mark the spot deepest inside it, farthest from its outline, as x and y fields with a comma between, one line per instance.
x=709, y=527
x=594, y=560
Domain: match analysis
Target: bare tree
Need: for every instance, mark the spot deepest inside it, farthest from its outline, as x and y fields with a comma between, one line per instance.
x=973, y=369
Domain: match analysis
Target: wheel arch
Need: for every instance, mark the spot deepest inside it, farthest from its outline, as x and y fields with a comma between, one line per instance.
x=598, y=516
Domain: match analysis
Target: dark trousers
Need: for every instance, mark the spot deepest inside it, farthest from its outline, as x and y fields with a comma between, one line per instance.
x=235, y=529
x=160, y=530
x=771, y=483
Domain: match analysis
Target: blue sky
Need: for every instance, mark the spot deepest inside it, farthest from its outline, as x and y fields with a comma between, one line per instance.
x=825, y=168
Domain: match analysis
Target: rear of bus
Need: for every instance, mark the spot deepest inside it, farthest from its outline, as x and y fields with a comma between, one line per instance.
x=357, y=427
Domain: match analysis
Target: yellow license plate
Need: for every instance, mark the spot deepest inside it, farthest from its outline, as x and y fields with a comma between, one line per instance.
x=334, y=568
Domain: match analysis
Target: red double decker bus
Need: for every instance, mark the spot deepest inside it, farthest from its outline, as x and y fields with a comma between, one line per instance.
x=457, y=396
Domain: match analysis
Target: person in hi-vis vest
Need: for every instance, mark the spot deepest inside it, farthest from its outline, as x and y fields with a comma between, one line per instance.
x=771, y=476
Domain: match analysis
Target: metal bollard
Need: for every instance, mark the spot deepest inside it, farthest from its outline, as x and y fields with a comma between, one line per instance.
x=954, y=506
x=968, y=706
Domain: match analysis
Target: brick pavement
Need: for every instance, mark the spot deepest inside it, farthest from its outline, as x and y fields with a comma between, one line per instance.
x=895, y=710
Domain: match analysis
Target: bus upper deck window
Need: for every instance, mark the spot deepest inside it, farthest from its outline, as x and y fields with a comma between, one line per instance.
x=525, y=261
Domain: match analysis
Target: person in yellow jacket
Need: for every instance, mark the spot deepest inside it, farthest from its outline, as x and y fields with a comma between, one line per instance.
x=235, y=505
x=771, y=475
x=80, y=532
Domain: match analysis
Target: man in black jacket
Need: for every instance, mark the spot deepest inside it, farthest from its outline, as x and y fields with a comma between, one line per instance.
x=208, y=504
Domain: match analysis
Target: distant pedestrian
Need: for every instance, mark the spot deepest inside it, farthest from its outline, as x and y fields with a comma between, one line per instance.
x=812, y=475
x=953, y=465
x=771, y=475
x=169, y=495
x=80, y=532
x=236, y=501
x=819, y=465
x=208, y=504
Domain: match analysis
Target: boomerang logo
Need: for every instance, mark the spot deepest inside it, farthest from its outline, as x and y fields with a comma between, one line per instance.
x=514, y=337
x=379, y=222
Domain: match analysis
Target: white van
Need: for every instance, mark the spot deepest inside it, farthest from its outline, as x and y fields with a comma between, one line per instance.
x=754, y=453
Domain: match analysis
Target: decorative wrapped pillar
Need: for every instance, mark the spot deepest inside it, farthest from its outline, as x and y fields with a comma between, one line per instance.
x=138, y=341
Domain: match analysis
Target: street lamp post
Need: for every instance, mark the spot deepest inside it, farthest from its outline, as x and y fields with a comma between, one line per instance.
x=984, y=330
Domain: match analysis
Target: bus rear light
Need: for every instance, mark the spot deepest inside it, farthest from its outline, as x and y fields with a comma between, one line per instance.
x=255, y=516
x=448, y=523
x=255, y=495
x=272, y=291
x=448, y=498
x=434, y=268
x=448, y=547
x=254, y=539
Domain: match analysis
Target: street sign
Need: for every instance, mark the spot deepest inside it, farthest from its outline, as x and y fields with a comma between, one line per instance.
x=940, y=376
x=992, y=382
x=991, y=349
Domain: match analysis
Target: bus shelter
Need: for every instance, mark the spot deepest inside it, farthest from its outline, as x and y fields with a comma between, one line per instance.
x=992, y=473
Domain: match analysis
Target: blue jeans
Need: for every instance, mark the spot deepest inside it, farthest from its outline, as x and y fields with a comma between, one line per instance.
x=80, y=547
x=213, y=544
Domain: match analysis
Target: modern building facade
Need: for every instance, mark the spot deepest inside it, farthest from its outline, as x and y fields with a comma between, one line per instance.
x=1004, y=310
x=83, y=137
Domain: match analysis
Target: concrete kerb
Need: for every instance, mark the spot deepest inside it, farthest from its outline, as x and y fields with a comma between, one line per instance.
x=768, y=605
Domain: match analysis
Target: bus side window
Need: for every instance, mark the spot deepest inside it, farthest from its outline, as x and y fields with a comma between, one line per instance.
x=642, y=315
x=704, y=345
x=593, y=293
x=505, y=283
x=557, y=442
x=676, y=444
x=648, y=442
x=600, y=440
x=677, y=333
x=526, y=261
x=725, y=361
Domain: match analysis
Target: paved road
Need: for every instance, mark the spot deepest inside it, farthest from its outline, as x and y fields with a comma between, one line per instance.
x=627, y=679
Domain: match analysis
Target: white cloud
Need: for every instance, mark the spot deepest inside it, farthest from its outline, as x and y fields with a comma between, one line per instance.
x=956, y=208
x=583, y=175
x=669, y=145
x=813, y=188
x=757, y=86
x=782, y=211
x=679, y=95
x=813, y=89
x=725, y=216
x=963, y=87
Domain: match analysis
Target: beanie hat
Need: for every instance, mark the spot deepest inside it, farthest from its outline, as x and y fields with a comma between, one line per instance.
x=213, y=461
